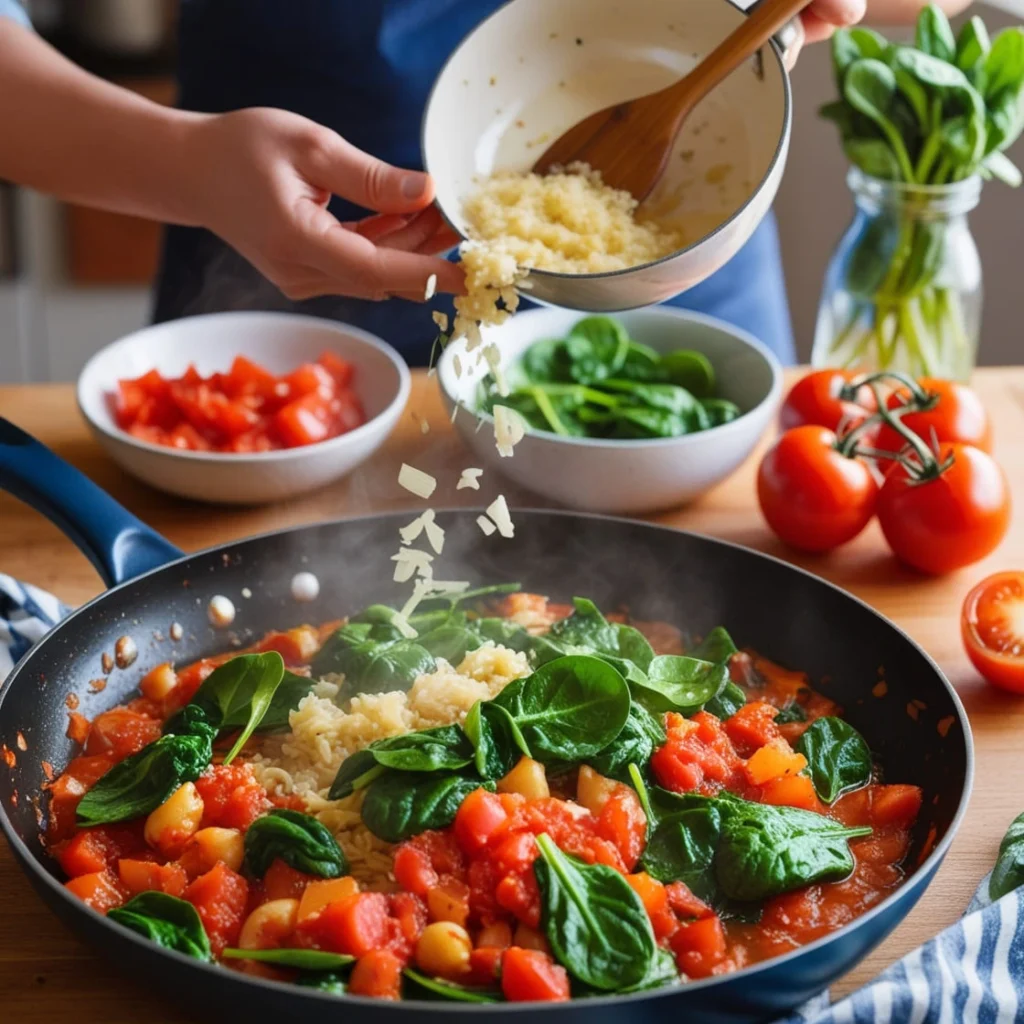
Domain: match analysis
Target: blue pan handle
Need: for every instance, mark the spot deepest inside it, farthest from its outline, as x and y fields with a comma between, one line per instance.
x=119, y=545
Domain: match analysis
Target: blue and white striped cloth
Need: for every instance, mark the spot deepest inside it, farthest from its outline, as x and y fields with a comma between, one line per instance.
x=972, y=973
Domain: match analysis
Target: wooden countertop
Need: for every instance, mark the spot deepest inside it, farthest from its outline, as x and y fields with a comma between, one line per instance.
x=48, y=975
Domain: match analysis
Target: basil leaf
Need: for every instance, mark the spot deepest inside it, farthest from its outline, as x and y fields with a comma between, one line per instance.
x=298, y=839
x=141, y=783
x=683, y=848
x=838, y=759
x=400, y=805
x=569, y=709
x=496, y=740
x=676, y=682
x=636, y=742
x=439, y=988
x=765, y=851
x=324, y=981
x=790, y=712
x=357, y=771
x=727, y=701
x=167, y=921
x=300, y=959
x=596, y=925
x=1008, y=873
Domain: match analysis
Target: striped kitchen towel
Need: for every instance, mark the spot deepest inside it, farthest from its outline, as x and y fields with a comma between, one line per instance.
x=972, y=973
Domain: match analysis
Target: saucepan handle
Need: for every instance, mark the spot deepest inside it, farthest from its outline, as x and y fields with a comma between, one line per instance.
x=119, y=545
x=788, y=39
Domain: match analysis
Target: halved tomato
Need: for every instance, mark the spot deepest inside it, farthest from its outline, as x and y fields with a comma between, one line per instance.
x=992, y=626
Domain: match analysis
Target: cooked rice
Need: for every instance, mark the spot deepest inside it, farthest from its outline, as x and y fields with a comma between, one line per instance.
x=305, y=761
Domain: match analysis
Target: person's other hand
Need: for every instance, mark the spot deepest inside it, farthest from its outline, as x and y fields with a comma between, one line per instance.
x=261, y=179
x=821, y=18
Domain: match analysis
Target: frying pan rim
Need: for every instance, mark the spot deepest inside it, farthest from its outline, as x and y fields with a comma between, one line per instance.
x=931, y=864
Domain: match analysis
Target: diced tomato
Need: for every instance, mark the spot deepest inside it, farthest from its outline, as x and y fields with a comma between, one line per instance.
x=67, y=790
x=341, y=371
x=128, y=401
x=699, y=946
x=146, y=875
x=377, y=973
x=93, y=849
x=248, y=378
x=297, y=646
x=318, y=894
x=519, y=894
x=516, y=852
x=654, y=897
x=442, y=850
x=221, y=897
x=775, y=760
x=78, y=728
x=483, y=877
x=283, y=882
x=307, y=420
x=355, y=925
x=409, y=918
x=121, y=733
x=753, y=726
x=232, y=798
x=413, y=870
x=186, y=437
x=485, y=965
x=896, y=806
x=698, y=755
x=481, y=817
x=529, y=976
x=622, y=822
x=255, y=440
x=99, y=890
x=683, y=902
x=190, y=679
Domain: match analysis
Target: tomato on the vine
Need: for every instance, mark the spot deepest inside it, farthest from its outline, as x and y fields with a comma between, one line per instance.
x=958, y=417
x=941, y=523
x=812, y=495
x=992, y=626
x=814, y=399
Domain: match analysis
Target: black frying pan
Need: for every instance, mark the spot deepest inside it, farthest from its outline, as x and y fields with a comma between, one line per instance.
x=785, y=613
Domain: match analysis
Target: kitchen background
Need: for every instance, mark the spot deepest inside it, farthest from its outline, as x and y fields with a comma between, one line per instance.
x=72, y=280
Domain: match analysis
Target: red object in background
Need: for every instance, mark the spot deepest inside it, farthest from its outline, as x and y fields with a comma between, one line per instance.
x=247, y=409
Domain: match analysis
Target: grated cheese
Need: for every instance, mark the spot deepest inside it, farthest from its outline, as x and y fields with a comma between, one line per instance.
x=402, y=624
x=509, y=430
x=498, y=511
x=486, y=525
x=410, y=562
x=470, y=478
x=416, y=481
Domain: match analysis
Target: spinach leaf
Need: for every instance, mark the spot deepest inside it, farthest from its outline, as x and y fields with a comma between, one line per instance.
x=641, y=363
x=682, y=849
x=324, y=981
x=400, y=805
x=676, y=682
x=642, y=734
x=300, y=959
x=1004, y=64
x=720, y=411
x=717, y=647
x=194, y=720
x=838, y=759
x=934, y=34
x=451, y=642
x=727, y=701
x=869, y=86
x=791, y=712
x=1008, y=873
x=372, y=659
x=141, y=783
x=298, y=839
x=586, y=627
x=438, y=988
x=690, y=370
x=972, y=45
x=596, y=925
x=504, y=633
x=495, y=738
x=167, y=921
x=596, y=348
x=286, y=699
x=569, y=709
x=765, y=851
x=357, y=771
x=663, y=971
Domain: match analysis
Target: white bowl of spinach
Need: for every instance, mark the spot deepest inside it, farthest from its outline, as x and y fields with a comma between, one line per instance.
x=637, y=413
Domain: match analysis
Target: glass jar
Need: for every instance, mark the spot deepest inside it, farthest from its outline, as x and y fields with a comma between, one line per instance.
x=903, y=288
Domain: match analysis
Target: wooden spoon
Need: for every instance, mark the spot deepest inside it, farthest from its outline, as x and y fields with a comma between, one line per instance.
x=630, y=143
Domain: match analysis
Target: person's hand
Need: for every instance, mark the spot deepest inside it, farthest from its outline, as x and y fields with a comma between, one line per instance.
x=261, y=180
x=821, y=18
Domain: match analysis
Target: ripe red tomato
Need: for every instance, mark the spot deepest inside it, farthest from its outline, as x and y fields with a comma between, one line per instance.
x=990, y=623
x=815, y=399
x=958, y=418
x=949, y=522
x=813, y=497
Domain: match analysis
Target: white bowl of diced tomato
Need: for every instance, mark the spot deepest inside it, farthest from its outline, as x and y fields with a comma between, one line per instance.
x=243, y=408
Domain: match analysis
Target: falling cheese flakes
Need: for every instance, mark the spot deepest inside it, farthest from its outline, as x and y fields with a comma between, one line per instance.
x=498, y=511
x=509, y=430
x=424, y=523
x=402, y=624
x=470, y=478
x=431, y=288
x=410, y=562
x=416, y=481
x=486, y=525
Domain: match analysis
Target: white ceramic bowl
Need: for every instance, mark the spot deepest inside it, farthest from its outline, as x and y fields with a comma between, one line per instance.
x=278, y=341
x=537, y=67
x=635, y=476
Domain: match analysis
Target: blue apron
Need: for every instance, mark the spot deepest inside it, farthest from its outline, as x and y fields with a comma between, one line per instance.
x=364, y=68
